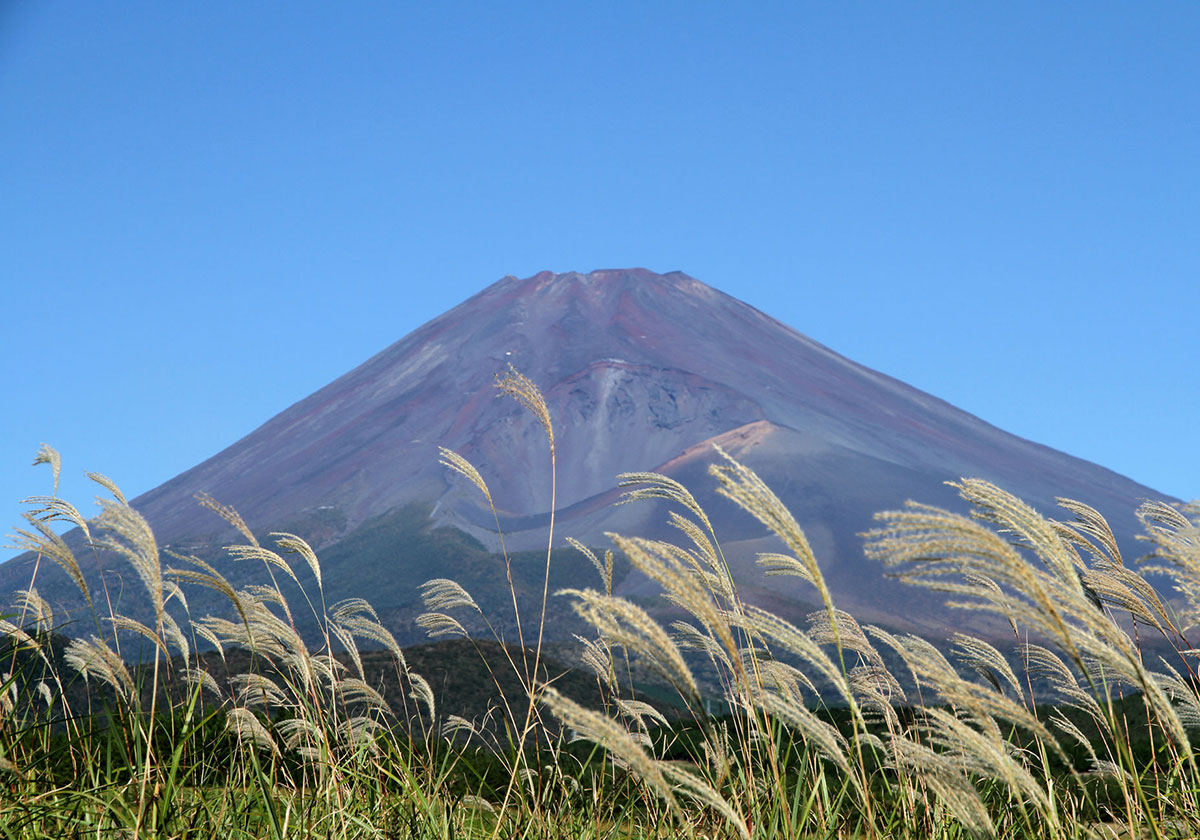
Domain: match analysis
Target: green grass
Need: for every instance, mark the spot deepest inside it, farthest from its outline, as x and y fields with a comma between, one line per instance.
x=284, y=706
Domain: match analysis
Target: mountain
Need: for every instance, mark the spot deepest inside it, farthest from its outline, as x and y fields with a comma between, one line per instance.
x=641, y=372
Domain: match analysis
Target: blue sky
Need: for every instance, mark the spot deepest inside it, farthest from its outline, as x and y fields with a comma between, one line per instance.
x=209, y=210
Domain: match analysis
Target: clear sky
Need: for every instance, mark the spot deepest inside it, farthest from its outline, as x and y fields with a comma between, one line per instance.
x=208, y=210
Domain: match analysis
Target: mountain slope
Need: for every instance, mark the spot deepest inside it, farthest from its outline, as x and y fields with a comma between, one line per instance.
x=640, y=372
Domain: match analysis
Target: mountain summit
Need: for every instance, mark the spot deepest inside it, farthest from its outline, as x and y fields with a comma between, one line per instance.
x=641, y=372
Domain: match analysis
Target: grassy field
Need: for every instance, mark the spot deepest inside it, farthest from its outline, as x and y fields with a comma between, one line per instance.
x=733, y=723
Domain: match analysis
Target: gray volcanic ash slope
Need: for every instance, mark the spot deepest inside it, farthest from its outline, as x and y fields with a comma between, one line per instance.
x=641, y=372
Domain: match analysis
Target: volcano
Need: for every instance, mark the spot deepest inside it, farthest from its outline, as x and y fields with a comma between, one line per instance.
x=641, y=372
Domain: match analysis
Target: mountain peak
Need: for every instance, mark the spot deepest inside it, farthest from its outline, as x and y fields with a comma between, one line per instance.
x=604, y=281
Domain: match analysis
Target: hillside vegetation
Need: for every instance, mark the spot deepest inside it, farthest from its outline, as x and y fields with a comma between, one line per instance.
x=235, y=724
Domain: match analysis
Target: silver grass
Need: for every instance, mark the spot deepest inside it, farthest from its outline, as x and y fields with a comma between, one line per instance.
x=1182, y=694
x=933, y=670
x=623, y=623
x=985, y=753
x=227, y=513
x=532, y=778
x=785, y=679
x=1174, y=537
x=950, y=786
x=49, y=544
x=466, y=469
x=455, y=725
x=742, y=486
x=52, y=508
x=124, y=531
x=988, y=590
x=424, y=693
x=1125, y=589
x=939, y=547
x=108, y=484
x=639, y=734
x=325, y=670
x=302, y=735
x=1110, y=769
x=659, y=562
x=202, y=679
x=210, y=578
x=1043, y=661
x=1064, y=724
x=313, y=755
x=695, y=788
x=1124, y=663
x=360, y=731
x=440, y=624
x=44, y=690
x=258, y=601
x=344, y=636
x=478, y=803
x=688, y=637
x=131, y=625
x=639, y=710
x=1179, y=517
x=248, y=729
x=172, y=591
x=518, y=386
x=239, y=634
x=366, y=625
x=704, y=550
x=773, y=564
x=701, y=578
x=597, y=657
x=311, y=670
x=1079, y=542
x=1089, y=523
x=257, y=552
x=1014, y=516
x=986, y=661
x=21, y=637
x=47, y=454
x=173, y=635
x=792, y=639
x=895, y=643
x=442, y=594
x=263, y=596
x=355, y=690
x=93, y=658
x=351, y=607
x=255, y=689
x=1144, y=591
x=291, y=544
x=824, y=736
x=984, y=704
x=876, y=688
x=1166, y=525
x=603, y=569
x=657, y=486
x=852, y=638
x=614, y=738
x=8, y=694
x=30, y=602
x=209, y=636
x=263, y=632
x=1188, y=613
x=717, y=749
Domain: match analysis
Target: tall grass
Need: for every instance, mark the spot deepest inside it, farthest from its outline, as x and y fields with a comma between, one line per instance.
x=169, y=724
